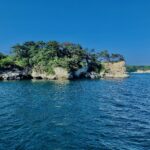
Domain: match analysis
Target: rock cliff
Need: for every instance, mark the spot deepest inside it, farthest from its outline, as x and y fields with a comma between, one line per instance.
x=14, y=74
x=59, y=73
x=114, y=70
x=110, y=70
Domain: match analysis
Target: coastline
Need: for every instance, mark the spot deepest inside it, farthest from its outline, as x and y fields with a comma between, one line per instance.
x=142, y=72
x=110, y=71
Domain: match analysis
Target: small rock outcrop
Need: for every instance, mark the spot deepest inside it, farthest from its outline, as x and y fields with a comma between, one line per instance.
x=92, y=75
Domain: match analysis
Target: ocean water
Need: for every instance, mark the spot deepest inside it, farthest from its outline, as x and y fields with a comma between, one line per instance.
x=76, y=115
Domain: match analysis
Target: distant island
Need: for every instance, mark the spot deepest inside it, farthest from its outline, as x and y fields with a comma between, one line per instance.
x=53, y=60
x=138, y=69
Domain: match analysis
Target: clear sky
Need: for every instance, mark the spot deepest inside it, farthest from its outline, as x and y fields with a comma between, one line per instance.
x=121, y=26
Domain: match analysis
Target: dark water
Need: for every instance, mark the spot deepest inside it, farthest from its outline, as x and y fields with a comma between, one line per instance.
x=80, y=115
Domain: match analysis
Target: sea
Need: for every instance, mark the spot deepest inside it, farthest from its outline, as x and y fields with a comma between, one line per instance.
x=112, y=114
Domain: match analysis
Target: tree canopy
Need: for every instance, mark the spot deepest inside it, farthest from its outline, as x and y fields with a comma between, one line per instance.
x=52, y=53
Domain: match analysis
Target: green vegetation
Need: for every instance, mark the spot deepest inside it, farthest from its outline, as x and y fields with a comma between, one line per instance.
x=47, y=55
x=135, y=68
x=6, y=61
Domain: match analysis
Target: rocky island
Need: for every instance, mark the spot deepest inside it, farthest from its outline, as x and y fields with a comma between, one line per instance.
x=53, y=60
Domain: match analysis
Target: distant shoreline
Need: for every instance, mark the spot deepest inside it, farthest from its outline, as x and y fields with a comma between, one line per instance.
x=142, y=72
x=138, y=69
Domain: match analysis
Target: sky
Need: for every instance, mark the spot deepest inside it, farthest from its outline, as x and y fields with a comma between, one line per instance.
x=120, y=26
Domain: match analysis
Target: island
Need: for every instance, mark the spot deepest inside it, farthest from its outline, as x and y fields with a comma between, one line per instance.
x=53, y=60
x=138, y=69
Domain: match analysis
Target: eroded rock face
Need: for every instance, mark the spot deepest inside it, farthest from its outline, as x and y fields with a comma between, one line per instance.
x=111, y=70
x=62, y=73
x=81, y=72
x=85, y=73
x=39, y=75
x=114, y=70
x=92, y=75
x=59, y=73
x=14, y=74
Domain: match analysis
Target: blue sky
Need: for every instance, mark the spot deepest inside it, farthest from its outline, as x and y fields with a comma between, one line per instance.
x=121, y=26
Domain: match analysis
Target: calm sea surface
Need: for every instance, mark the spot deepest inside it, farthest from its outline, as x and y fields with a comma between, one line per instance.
x=76, y=115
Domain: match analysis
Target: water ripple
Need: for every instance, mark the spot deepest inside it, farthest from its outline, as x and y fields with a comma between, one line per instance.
x=96, y=114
